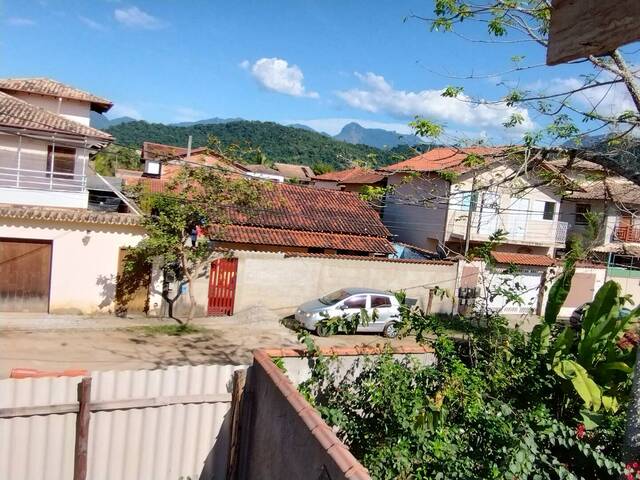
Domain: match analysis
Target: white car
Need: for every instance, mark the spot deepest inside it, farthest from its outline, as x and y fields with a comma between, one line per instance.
x=350, y=301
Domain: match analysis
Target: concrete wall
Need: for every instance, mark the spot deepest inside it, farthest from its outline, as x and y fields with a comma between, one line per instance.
x=629, y=280
x=283, y=437
x=584, y=286
x=282, y=283
x=72, y=109
x=84, y=261
x=423, y=226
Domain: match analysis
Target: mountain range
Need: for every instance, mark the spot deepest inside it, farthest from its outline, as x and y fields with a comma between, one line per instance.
x=375, y=137
x=277, y=142
x=352, y=133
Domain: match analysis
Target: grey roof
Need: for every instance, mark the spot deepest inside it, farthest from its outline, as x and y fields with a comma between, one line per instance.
x=94, y=183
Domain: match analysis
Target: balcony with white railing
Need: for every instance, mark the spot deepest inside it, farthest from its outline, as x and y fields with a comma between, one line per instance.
x=519, y=231
x=20, y=186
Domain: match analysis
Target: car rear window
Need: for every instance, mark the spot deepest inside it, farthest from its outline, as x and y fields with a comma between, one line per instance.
x=359, y=301
x=380, y=301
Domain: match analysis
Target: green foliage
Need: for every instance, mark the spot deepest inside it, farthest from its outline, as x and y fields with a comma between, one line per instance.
x=449, y=175
x=452, y=91
x=375, y=195
x=426, y=128
x=174, y=330
x=488, y=411
x=322, y=167
x=112, y=157
x=276, y=142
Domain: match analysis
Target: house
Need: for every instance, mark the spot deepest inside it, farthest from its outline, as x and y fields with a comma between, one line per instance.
x=615, y=201
x=448, y=197
x=350, y=180
x=164, y=161
x=301, y=219
x=262, y=171
x=295, y=173
x=57, y=254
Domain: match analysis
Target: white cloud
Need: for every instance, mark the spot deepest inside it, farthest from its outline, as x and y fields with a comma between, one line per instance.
x=276, y=75
x=123, y=110
x=607, y=100
x=92, y=23
x=135, y=18
x=378, y=96
x=20, y=22
x=245, y=64
x=188, y=114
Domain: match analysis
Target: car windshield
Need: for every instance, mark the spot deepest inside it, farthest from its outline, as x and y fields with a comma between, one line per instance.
x=335, y=297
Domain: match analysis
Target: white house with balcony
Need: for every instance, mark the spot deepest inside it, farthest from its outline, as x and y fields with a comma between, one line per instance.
x=56, y=254
x=45, y=142
x=449, y=196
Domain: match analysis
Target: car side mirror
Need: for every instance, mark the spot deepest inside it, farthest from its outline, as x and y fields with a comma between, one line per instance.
x=342, y=307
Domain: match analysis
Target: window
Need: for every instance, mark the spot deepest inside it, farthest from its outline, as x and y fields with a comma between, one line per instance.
x=152, y=167
x=334, y=297
x=543, y=210
x=358, y=301
x=549, y=210
x=379, y=301
x=581, y=210
x=63, y=161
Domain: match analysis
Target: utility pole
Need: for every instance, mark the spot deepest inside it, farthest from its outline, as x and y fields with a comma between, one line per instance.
x=472, y=208
x=189, y=147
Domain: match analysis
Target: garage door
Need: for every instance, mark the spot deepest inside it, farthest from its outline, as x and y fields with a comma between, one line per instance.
x=25, y=273
x=529, y=283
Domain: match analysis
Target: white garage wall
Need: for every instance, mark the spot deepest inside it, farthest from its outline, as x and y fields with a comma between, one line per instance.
x=84, y=263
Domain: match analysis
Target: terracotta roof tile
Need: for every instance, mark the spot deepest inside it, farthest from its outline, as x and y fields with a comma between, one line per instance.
x=296, y=238
x=353, y=175
x=17, y=113
x=444, y=158
x=523, y=259
x=617, y=188
x=53, y=88
x=72, y=215
x=296, y=207
x=301, y=172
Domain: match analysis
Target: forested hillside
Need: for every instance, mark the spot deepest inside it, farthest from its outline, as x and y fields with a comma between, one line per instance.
x=277, y=142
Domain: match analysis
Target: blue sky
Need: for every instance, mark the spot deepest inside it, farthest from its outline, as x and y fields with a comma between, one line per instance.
x=322, y=63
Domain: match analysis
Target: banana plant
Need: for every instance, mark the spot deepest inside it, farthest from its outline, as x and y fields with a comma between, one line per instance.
x=594, y=359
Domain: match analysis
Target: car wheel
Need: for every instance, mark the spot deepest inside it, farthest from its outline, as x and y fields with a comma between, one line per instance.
x=390, y=330
x=322, y=331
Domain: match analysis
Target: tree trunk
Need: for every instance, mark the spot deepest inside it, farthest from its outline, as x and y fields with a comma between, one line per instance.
x=631, y=449
x=192, y=298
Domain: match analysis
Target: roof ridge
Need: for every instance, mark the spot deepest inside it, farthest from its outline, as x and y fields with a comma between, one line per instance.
x=94, y=98
x=31, y=106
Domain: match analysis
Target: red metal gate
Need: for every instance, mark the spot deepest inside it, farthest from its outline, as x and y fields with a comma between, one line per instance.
x=222, y=286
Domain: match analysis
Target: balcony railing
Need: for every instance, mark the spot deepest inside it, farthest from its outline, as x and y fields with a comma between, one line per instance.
x=561, y=232
x=42, y=180
x=627, y=233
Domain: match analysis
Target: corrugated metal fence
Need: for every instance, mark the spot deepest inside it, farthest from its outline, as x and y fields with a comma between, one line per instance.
x=172, y=442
